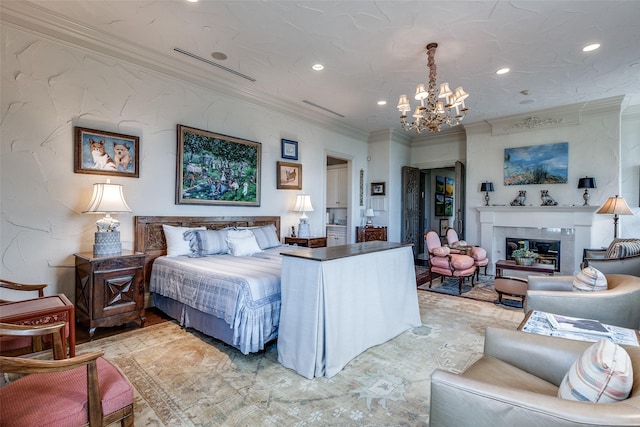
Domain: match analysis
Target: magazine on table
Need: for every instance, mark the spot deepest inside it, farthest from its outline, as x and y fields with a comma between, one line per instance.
x=577, y=325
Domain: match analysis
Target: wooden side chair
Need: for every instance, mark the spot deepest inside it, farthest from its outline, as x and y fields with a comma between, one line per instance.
x=79, y=391
x=13, y=343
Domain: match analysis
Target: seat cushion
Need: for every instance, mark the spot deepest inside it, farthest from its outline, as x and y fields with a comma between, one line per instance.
x=495, y=371
x=602, y=374
x=461, y=262
x=60, y=398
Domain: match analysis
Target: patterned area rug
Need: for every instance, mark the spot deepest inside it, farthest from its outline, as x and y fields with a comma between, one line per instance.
x=182, y=378
x=482, y=290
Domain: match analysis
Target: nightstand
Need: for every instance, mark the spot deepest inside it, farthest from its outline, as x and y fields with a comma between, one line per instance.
x=310, y=242
x=370, y=233
x=109, y=289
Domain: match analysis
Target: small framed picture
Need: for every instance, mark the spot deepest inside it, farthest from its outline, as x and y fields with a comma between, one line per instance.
x=377, y=189
x=105, y=153
x=289, y=149
x=289, y=176
x=444, y=224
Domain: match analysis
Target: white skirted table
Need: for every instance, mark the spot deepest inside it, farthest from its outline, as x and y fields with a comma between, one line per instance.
x=341, y=300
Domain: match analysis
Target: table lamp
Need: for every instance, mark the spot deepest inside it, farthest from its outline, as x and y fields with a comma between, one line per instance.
x=586, y=183
x=303, y=204
x=369, y=214
x=616, y=206
x=487, y=187
x=107, y=199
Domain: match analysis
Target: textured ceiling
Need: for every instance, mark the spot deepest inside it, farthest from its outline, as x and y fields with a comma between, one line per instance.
x=376, y=50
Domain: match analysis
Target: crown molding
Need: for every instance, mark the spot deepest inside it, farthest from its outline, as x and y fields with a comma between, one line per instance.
x=38, y=21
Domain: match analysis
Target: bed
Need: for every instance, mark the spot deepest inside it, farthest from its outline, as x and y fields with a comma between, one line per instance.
x=235, y=299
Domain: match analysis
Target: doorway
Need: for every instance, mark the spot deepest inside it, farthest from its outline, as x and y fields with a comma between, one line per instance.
x=338, y=191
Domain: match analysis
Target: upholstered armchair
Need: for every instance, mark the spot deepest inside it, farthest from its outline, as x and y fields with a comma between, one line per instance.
x=447, y=264
x=621, y=257
x=83, y=390
x=515, y=383
x=478, y=254
x=618, y=305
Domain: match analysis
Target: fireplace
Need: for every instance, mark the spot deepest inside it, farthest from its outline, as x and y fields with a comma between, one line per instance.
x=548, y=250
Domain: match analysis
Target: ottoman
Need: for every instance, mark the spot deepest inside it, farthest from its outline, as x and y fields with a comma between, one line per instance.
x=514, y=286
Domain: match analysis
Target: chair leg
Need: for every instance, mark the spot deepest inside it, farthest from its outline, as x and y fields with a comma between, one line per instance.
x=460, y=279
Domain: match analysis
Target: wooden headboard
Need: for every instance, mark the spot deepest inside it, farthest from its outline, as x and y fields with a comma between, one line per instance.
x=149, y=237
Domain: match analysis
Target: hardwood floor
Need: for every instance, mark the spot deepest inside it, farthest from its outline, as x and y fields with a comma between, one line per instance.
x=153, y=317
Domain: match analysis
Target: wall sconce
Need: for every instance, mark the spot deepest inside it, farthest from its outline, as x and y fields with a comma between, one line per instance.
x=107, y=199
x=487, y=187
x=586, y=183
x=616, y=206
x=303, y=204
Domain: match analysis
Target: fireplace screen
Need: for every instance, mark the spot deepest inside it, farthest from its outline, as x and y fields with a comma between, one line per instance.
x=548, y=250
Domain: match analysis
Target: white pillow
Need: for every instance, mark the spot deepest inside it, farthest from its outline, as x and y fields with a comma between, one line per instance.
x=590, y=279
x=242, y=243
x=602, y=374
x=176, y=243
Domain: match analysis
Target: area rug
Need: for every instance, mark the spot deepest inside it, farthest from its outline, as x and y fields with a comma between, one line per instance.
x=183, y=378
x=482, y=290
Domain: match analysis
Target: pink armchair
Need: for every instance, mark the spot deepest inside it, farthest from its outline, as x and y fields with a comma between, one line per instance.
x=445, y=263
x=478, y=254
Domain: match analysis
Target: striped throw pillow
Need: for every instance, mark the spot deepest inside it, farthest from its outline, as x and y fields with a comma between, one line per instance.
x=623, y=247
x=602, y=374
x=590, y=279
x=207, y=242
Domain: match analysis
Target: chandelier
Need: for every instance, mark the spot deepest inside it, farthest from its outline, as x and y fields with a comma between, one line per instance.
x=431, y=114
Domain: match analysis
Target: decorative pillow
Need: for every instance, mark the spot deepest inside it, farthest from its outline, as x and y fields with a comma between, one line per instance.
x=478, y=253
x=623, y=247
x=207, y=242
x=242, y=243
x=602, y=374
x=265, y=236
x=176, y=243
x=441, y=251
x=590, y=279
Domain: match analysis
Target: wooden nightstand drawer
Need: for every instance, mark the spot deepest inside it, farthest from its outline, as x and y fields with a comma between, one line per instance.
x=311, y=242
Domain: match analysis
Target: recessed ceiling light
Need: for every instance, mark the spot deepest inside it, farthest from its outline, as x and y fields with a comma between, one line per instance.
x=590, y=47
x=192, y=1
x=503, y=71
x=382, y=102
x=206, y=29
x=220, y=56
x=318, y=67
x=527, y=101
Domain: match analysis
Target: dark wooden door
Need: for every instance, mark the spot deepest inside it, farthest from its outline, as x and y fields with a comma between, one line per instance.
x=411, y=198
x=460, y=196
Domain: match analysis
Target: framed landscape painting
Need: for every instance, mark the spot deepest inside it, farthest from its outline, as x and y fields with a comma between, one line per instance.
x=216, y=169
x=537, y=164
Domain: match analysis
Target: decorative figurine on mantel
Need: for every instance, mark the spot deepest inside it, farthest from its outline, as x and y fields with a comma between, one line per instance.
x=547, y=200
x=519, y=201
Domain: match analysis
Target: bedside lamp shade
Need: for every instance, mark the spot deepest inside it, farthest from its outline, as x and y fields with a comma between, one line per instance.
x=615, y=206
x=369, y=214
x=303, y=204
x=107, y=198
x=586, y=183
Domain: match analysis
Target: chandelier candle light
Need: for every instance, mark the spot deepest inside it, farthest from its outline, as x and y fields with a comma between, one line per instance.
x=107, y=198
x=303, y=204
x=431, y=114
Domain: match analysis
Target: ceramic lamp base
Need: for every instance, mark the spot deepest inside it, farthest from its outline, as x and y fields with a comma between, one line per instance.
x=107, y=243
x=304, y=230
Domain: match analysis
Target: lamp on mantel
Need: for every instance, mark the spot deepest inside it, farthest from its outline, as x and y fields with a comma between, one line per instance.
x=303, y=204
x=586, y=183
x=487, y=187
x=107, y=199
x=616, y=206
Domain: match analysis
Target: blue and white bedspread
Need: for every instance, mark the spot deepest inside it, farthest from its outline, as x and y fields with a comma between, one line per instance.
x=244, y=291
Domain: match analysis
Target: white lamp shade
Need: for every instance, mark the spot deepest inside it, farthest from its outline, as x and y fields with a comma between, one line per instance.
x=303, y=203
x=444, y=90
x=107, y=198
x=421, y=92
x=403, y=104
x=418, y=113
x=369, y=213
x=615, y=206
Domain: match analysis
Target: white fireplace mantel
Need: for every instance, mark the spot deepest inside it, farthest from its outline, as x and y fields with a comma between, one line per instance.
x=577, y=219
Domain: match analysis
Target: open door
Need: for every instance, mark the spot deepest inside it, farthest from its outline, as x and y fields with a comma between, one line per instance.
x=460, y=198
x=411, y=199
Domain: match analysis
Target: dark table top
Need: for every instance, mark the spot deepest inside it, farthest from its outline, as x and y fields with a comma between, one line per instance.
x=343, y=251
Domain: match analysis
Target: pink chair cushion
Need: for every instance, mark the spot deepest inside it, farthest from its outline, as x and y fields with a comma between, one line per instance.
x=457, y=273
x=482, y=262
x=60, y=398
x=478, y=253
x=461, y=262
x=441, y=251
x=440, y=262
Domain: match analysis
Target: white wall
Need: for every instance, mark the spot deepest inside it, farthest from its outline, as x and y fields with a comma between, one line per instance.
x=593, y=133
x=630, y=167
x=48, y=88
